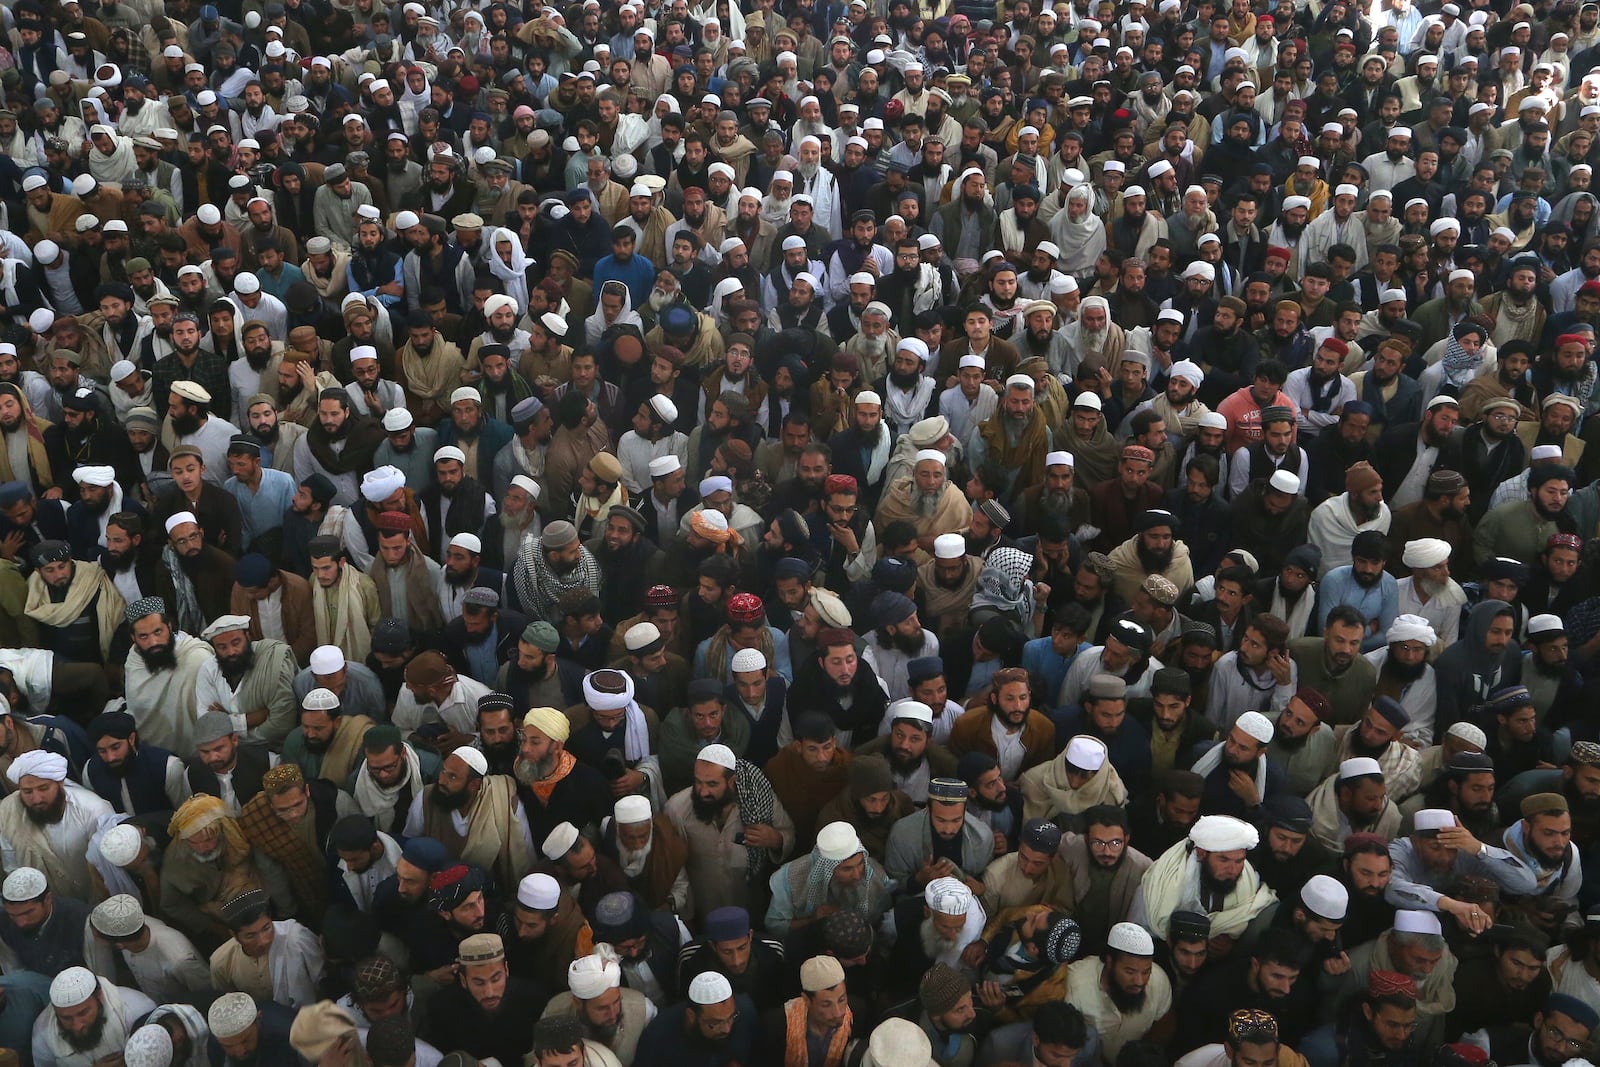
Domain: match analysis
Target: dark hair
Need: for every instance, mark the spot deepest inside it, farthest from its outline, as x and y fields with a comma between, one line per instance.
x=1208, y=467
x=1186, y=784
x=1106, y=815
x=813, y=726
x=1340, y=250
x=128, y=522
x=1272, y=370
x=1072, y=616
x=1143, y=420
x=1237, y=573
x=1344, y=615
x=1283, y=946
x=1059, y=1023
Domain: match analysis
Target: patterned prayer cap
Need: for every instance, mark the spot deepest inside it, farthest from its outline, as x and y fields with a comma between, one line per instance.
x=148, y=605
x=1250, y=1024
x=283, y=777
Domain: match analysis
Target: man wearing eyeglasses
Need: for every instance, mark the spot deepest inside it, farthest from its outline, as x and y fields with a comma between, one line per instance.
x=1561, y=1032
x=714, y=1028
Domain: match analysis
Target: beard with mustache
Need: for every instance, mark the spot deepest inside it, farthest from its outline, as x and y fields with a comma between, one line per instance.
x=50, y=815
x=184, y=425
x=235, y=667
x=267, y=435
x=258, y=359
x=443, y=801
x=88, y=1039
x=1126, y=1002
x=503, y=335
x=1404, y=672
x=906, y=381
x=158, y=657
x=1152, y=561
x=910, y=645
x=527, y=772
x=561, y=567
x=502, y=755
x=1359, y=746
x=706, y=809
x=926, y=503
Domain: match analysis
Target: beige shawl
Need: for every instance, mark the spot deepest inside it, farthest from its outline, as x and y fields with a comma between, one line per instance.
x=951, y=515
x=88, y=581
x=347, y=626
x=1173, y=884
x=1045, y=792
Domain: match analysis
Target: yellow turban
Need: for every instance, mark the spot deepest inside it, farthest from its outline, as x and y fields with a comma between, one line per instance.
x=548, y=721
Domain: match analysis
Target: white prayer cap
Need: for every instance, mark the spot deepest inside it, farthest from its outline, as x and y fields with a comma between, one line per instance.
x=553, y=324
x=1425, y=552
x=327, y=659
x=948, y=896
x=717, y=483
x=592, y=976
x=1020, y=381
x=43, y=319
x=662, y=466
x=559, y=841
x=24, y=884
x=149, y=1046
x=1292, y=202
x=973, y=361
x=837, y=842
x=1255, y=725
x=394, y=421
x=930, y=455
x=1433, y=819
x=1438, y=226
x=1346, y=190
x=407, y=219
x=1215, y=420
x=121, y=844
x=868, y=397
x=725, y=170
x=1409, y=921
x=1086, y=753
x=1325, y=897
x=746, y=660
x=949, y=546
x=632, y=809
x=472, y=758
x=227, y=624
x=1359, y=767
x=720, y=755
x=73, y=986
x=1503, y=231
x=911, y=709
x=639, y=189
x=1411, y=628
x=1544, y=624
x=1158, y=168
x=466, y=392
x=34, y=181
x=810, y=279
x=1541, y=452
x=118, y=916
x=320, y=699
x=449, y=452
x=381, y=483
x=38, y=764
x=663, y=406
x=1469, y=733
x=1132, y=191
x=468, y=541
x=1062, y=284
x=709, y=987
x=526, y=484
x=1310, y=161
x=1058, y=458
x=231, y=1015
x=1333, y=127
x=1389, y=296
x=641, y=635
x=1401, y=131
x=1380, y=194
x=179, y=518
x=363, y=352
x=539, y=892
x=245, y=284
x=96, y=475
x=731, y=243
x=1088, y=400
x=875, y=56
x=1223, y=833
x=1131, y=939
x=1284, y=481
x=1208, y=238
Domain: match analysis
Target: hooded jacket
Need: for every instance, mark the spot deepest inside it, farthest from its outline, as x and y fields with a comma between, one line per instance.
x=1467, y=672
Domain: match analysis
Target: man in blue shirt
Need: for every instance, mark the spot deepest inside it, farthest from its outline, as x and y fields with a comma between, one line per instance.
x=1365, y=586
x=622, y=265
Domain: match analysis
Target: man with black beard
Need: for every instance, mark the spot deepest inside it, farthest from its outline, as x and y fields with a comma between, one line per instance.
x=1121, y=992
x=709, y=815
x=134, y=778
x=498, y=739
x=83, y=1023
x=1277, y=977
x=628, y=558
x=535, y=676
x=202, y=574
x=914, y=757
x=47, y=823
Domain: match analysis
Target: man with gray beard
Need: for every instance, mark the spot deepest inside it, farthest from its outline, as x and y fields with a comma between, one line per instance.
x=873, y=342
x=927, y=500
x=207, y=862
x=517, y=519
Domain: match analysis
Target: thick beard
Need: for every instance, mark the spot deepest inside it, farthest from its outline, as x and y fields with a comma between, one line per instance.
x=87, y=1040
x=49, y=816
x=159, y=657
x=443, y=801
x=268, y=436
x=705, y=810
x=237, y=667
x=1359, y=747
x=184, y=425
x=1126, y=1002
x=1153, y=562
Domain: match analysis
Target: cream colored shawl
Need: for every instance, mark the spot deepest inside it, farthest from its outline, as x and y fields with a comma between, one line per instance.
x=1173, y=884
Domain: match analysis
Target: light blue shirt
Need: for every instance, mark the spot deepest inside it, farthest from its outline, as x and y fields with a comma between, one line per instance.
x=1381, y=602
x=264, y=509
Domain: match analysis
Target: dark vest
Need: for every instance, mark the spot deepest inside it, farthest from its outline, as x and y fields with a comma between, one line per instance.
x=79, y=640
x=248, y=769
x=466, y=513
x=147, y=782
x=1261, y=465
x=763, y=743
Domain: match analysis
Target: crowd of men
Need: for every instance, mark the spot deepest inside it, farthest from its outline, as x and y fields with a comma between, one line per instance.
x=809, y=533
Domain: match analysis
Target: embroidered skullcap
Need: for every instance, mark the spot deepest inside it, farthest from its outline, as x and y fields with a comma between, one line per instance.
x=38, y=764
x=1131, y=939
x=719, y=755
x=24, y=884
x=1256, y=725
x=948, y=896
x=898, y=1043
x=548, y=721
x=148, y=1046
x=121, y=844
x=320, y=699
x=231, y=1015
x=1474, y=735
x=1391, y=983
x=1223, y=833
x=1417, y=922
x=746, y=660
x=72, y=987
x=539, y=892
x=1507, y=699
x=1088, y=400
x=709, y=987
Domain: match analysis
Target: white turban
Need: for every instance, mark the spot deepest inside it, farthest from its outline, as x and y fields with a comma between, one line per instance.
x=381, y=484
x=39, y=764
x=637, y=740
x=591, y=976
x=496, y=302
x=1425, y=552
x=1411, y=628
x=98, y=476
x=1223, y=833
x=948, y=896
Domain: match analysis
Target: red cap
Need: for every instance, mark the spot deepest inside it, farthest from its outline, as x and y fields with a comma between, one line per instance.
x=1333, y=344
x=1278, y=252
x=392, y=522
x=839, y=483
x=745, y=607
x=1586, y=289
x=1571, y=339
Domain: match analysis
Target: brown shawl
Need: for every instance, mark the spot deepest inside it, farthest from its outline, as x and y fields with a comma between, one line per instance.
x=291, y=847
x=345, y=749
x=1026, y=457
x=361, y=440
x=668, y=853
x=422, y=599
